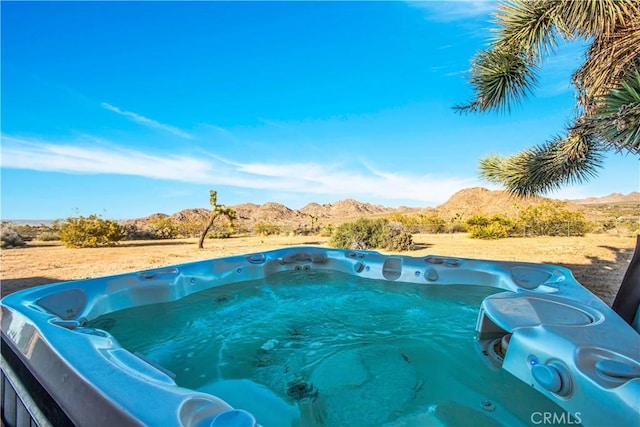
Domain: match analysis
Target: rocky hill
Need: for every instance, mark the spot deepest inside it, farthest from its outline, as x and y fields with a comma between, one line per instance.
x=249, y=214
x=348, y=208
x=479, y=200
x=464, y=203
x=633, y=197
x=311, y=215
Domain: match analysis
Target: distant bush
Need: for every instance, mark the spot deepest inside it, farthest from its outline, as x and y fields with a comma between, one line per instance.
x=30, y=232
x=133, y=232
x=395, y=238
x=163, y=228
x=621, y=226
x=326, y=230
x=552, y=219
x=42, y=232
x=49, y=236
x=497, y=226
x=546, y=219
x=365, y=233
x=266, y=228
x=362, y=233
x=457, y=224
x=419, y=223
x=411, y=223
x=190, y=228
x=90, y=232
x=432, y=224
x=10, y=238
x=221, y=231
x=304, y=231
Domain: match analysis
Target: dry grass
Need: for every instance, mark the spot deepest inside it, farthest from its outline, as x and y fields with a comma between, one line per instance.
x=598, y=261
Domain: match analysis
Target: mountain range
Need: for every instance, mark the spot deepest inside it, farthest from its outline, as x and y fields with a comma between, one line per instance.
x=466, y=202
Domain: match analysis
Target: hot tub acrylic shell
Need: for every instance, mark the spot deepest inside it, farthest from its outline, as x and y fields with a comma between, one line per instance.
x=565, y=342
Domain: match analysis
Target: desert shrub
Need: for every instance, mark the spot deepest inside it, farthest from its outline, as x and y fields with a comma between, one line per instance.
x=163, y=227
x=190, y=228
x=30, y=232
x=497, y=226
x=419, y=223
x=133, y=232
x=604, y=226
x=362, y=233
x=627, y=227
x=220, y=231
x=26, y=231
x=567, y=223
x=621, y=226
x=551, y=219
x=632, y=229
x=266, y=228
x=478, y=220
x=395, y=238
x=10, y=238
x=49, y=236
x=546, y=219
x=326, y=230
x=365, y=233
x=457, y=224
x=304, y=231
x=457, y=227
x=411, y=223
x=90, y=232
x=432, y=224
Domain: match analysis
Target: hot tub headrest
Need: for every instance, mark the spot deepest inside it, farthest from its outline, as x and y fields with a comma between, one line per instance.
x=66, y=304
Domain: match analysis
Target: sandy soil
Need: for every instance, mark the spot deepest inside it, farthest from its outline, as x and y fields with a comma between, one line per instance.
x=598, y=261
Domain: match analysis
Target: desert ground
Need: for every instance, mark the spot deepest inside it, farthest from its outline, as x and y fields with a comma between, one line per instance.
x=598, y=261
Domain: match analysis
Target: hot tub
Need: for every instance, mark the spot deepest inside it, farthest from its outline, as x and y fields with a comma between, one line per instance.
x=316, y=336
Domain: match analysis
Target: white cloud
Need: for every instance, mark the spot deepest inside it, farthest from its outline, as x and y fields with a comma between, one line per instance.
x=335, y=180
x=46, y=156
x=449, y=11
x=147, y=122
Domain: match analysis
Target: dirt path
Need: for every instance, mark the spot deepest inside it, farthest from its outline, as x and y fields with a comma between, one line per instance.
x=598, y=261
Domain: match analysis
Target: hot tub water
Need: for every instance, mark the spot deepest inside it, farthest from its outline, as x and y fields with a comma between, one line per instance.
x=328, y=348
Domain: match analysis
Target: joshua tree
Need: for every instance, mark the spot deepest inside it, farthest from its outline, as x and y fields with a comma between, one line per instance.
x=607, y=85
x=217, y=210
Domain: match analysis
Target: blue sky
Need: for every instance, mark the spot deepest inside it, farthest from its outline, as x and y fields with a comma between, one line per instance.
x=130, y=108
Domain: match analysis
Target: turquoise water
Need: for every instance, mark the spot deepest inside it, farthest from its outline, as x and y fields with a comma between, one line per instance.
x=326, y=348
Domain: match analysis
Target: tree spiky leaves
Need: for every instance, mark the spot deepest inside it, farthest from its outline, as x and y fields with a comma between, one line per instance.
x=213, y=198
x=526, y=32
x=500, y=77
x=617, y=120
x=527, y=25
x=545, y=167
x=606, y=85
x=587, y=18
x=610, y=58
